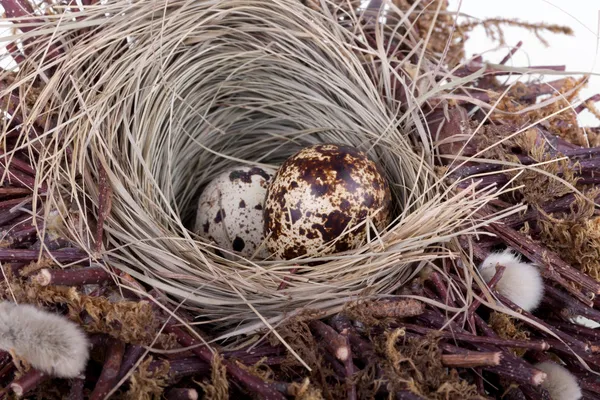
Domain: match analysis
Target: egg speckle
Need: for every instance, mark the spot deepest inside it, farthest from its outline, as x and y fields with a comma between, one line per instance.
x=318, y=195
x=230, y=210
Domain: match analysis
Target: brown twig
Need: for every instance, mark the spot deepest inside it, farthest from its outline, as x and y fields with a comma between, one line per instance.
x=104, y=205
x=251, y=382
x=349, y=367
x=76, y=392
x=27, y=382
x=63, y=255
x=554, y=266
x=465, y=337
x=284, y=283
x=71, y=277
x=441, y=289
x=110, y=370
x=181, y=368
x=511, y=53
x=472, y=359
x=577, y=330
x=130, y=358
x=583, y=106
x=181, y=394
x=491, y=284
x=401, y=308
x=335, y=343
x=570, y=340
x=570, y=307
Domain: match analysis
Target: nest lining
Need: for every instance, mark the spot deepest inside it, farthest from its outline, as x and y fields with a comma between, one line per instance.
x=173, y=96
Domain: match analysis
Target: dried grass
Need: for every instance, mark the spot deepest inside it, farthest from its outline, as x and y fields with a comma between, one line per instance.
x=173, y=94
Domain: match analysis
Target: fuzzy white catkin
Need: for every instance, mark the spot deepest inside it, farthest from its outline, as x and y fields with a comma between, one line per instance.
x=521, y=282
x=559, y=382
x=49, y=342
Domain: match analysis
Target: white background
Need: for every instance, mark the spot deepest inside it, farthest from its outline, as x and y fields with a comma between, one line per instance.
x=579, y=52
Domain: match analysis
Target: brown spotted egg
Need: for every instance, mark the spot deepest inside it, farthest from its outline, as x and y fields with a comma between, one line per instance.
x=230, y=210
x=320, y=193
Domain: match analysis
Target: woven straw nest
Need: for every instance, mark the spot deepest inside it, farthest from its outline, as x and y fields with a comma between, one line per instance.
x=150, y=100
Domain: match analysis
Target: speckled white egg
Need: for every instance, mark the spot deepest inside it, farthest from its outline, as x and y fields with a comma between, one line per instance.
x=318, y=195
x=230, y=210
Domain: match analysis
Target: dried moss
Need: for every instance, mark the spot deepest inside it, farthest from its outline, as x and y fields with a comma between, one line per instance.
x=129, y=321
x=297, y=334
x=305, y=391
x=218, y=386
x=575, y=236
x=560, y=118
x=538, y=188
x=414, y=364
x=508, y=327
x=147, y=385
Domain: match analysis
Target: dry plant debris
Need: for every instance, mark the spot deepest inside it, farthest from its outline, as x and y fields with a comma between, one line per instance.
x=488, y=133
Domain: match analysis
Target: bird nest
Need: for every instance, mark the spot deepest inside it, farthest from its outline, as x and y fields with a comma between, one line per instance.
x=148, y=103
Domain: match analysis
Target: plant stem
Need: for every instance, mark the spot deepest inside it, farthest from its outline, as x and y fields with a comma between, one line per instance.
x=72, y=276
x=27, y=382
x=110, y=371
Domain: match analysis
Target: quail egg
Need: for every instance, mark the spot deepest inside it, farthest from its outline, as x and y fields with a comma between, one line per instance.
x=230, y=210
x=318, y=195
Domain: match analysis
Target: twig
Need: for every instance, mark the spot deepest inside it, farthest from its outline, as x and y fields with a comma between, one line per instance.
x=491, y=284
x=63, y=256
x=407, y=395
x=27, y=382
x=284, y=283
x=72, y=276
x=440, y=287
x=76, y=392
x=182, y=368
x=336, y=366
x=555, y=267
x=578, y=330
x=389, y=308
x=131, y=356
x=522, y=344
x=583, y=106
x=472, y=359
x=571, y=307
x=335, y=343
x=349, y=367
x=181, y=394
x=104, y=205
x=511, y=53
x=570, y=340
x=251, y=382
x=110, y=371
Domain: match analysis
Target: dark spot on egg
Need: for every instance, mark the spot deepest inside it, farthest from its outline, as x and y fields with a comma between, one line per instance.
x=258, y=207
x=318, y=190
x=345, y=205
x=369, y=200
x=293, y=185
x=205, y=226
x=242, y=204
x=246, y=176
x=302, y=231
x=238, y=244
x=296, y=214
x=294, y=252
x=220, y=215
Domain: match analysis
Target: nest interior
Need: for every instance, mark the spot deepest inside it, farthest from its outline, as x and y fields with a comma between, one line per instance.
x=165, y=104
